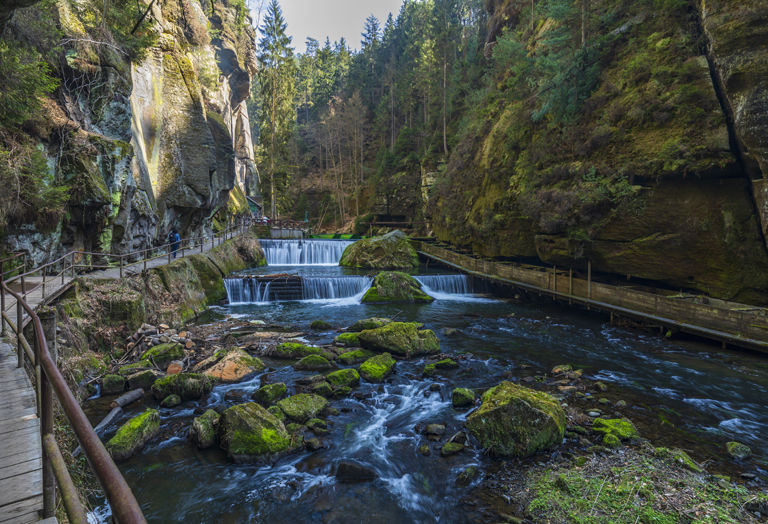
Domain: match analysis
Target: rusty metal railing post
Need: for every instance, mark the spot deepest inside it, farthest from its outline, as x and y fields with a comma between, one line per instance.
x=19, y=329
x=46, y=428
x=121, y=266
x=2, y=300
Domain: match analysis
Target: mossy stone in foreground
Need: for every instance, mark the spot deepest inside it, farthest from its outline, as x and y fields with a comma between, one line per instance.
x=348, y=339
x=171, y=401
x=189, y=386
x=112, y=384
x=391, y=251
x=377, y=368
x=130, y=369
x=203, y=429
x=313, y=363
x=134, y=434
x=320, y=325
x=162, y=354
x=249, y=433
x=404, y=339
x=514, y=421
x=291, y=350
x=344, y=377
x=353, y=357
x=447, y=363
x=271, y=393
x=395, y=286
x=303, y=406
x=462, y=397
x=738, y=450
x=621, y=428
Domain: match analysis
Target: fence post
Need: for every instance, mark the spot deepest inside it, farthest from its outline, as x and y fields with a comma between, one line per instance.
x=23, y=286
x=121, y=266
x=43, y=283
x=46, y=424
x=2, y=300
x=72, y=267
x=19, y=324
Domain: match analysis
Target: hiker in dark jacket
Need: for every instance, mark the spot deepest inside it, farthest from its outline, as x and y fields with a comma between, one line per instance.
x=175, y=240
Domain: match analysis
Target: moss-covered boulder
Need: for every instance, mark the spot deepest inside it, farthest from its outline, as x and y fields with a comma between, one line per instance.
x=404, y=339
x=621, y=428
x=738, y=450
x=462, y=397
x=377, y=368
x=293, y=350
x=130, y=369
x=134, y=434
x=391, y=251
x=395, y=286
x=344, y=377
x=320, y=325
x=234, y=366
x=277, y=412
x=446, y=363
x=189, y=386
x=162, y=354
x=250, y=433
x=314, y=363
x=347, y=339
x=369, y=323
x=324, y=389
x=354, y=357
x=112, y=384
x=270, y=393
x=514, y=421
x=143, y=379
x=171, y=401
x=203, y=429
x=303, y=406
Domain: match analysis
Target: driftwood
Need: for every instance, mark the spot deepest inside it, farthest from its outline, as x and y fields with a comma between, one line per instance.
x=127, y=398
x=100, y=427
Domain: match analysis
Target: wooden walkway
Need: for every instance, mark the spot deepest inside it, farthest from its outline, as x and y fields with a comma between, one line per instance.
x=21, y=477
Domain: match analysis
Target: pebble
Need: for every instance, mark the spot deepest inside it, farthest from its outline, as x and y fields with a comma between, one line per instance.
x=594, y=414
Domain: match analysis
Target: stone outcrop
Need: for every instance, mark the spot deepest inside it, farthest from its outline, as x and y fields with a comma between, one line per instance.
x=395, y=286
x=403, y=339
x=133, y=435
x=391, y=251
x=514, y=421
x=250, y=433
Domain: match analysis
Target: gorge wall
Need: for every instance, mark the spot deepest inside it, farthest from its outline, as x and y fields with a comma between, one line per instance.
x=148, y=128
x=660, y=174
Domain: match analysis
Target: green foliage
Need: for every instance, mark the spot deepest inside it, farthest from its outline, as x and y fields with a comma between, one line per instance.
x=24, y=80
x=119, y=18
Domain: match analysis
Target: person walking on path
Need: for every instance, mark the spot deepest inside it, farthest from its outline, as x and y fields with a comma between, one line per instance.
x=175, y=240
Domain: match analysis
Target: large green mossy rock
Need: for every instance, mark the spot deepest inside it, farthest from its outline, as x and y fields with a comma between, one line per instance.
x=391, y=251
x=353, y=357
x=347, y=339
x=189, y=386
x=270, y=393
x=377, y=368
x=314, y=363
x=112, y=384
x=344, y=377
x=250, y=433
x=514, y=421
x=133, y=435
x=163, y=354
x=395, y=286
x=621, y=428
x=203, y=429
x=369, y=323
x=303, y=406
x=404, y=339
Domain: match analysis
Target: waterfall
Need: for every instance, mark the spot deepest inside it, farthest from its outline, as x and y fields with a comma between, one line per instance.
x=446, y=284
x=304, y=252
x=254, y=291
x=336, y=287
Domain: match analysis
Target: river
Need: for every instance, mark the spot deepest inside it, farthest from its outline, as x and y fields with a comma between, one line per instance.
x=680, y=393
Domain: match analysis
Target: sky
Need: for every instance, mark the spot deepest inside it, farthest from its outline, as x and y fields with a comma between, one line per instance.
x=332, y=18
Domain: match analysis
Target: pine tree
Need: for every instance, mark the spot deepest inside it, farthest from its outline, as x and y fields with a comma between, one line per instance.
x=276, y=80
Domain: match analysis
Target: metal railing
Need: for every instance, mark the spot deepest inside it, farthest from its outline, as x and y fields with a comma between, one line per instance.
x=49, y=381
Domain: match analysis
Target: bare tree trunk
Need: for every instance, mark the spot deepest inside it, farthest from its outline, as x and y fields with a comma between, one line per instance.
x=533, y=16
x=584, y=7
x=445, y=106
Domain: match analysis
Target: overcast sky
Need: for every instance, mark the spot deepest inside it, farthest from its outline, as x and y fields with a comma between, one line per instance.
x=332, y=18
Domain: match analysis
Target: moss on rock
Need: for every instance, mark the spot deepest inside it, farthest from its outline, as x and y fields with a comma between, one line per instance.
x=143, y=379
x=621, y=428
x=303, y=406
x=320, y=325
x=347, y=339
x=431, y=369
x=270, y=393
x=203, y=429
x=369, y=323
x=171, y=401
x=738, y=450
x=395, y=286
x=353, y=357
x=134, y=434
x=344, y=377
x=462, y=397
x=313, y=363
x=377, y=368
x=404, y=339
x=162, y=354
x=112, y=384
x=248, y=433
x=514, y=421
x=291, y=350
x=189, y=386
x=391, y=251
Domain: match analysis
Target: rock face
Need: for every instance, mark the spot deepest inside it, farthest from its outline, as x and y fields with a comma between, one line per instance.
x=165, y=143
x=395, y=286
x=514, y=421
x=133, y=435
x=391, y=251
x=250, y=433
x=404, y=339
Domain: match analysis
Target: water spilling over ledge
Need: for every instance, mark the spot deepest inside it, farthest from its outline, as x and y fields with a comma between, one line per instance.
x=279, y=288
x=304, y=252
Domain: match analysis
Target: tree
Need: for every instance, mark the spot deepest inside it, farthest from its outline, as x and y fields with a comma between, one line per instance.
x=276, y=81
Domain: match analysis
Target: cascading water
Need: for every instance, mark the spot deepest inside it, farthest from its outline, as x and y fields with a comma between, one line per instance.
x=250, y=290
x=449, y=284
x=304, y=252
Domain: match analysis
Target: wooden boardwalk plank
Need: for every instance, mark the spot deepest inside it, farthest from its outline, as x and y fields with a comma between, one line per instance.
x=20, y=487
x=21, y=511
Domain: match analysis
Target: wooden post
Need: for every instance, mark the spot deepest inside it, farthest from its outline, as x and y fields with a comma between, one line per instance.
x=2, y=300
x=145, y=261
x=570, y=284
x=23, y=287
x=589, y=279
x=554, y=273
x=43, y=283
x=19, y=324
x=46, y=428
x=121, y=267
x=72, y=266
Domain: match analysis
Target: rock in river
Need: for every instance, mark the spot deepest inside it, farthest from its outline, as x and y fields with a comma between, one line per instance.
x=303, y=406
x=391, y=251
x=404, y=339
x=515, y=421
x=134, y=434
x=189, y=386
x=349, y=472
x=395, y=286
x=249, y=433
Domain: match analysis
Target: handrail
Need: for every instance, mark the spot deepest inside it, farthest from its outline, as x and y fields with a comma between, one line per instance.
x=50, y=381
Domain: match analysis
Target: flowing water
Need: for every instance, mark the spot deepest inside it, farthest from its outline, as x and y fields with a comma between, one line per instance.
x=683, y=394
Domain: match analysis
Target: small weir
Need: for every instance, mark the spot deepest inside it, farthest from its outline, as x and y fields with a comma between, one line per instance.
x=304, y=252
x=285, y=287
x=448, y=284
